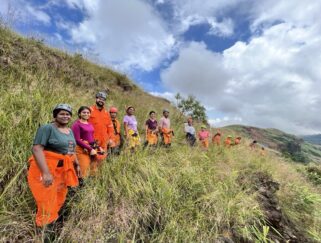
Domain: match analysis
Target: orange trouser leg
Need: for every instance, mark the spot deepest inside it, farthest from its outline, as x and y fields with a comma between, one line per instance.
x=116, y=140
x=102, y=142
x=84, y=161
x=167, y=138
x=48, y=199
x=167, y=135
x=151, y=138
x=205, y=143
x=62, y=190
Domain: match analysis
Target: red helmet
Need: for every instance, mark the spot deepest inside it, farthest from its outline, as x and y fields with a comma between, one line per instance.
x=113, y=110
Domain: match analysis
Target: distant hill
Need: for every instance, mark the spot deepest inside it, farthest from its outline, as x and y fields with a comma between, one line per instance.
x=301, y=149
x=315, y=139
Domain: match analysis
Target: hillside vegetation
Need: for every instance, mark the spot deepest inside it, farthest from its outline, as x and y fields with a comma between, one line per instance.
x=315, y=139
x=289, y=145
x=180, y=194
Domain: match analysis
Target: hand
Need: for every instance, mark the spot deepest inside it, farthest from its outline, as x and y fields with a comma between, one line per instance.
x=110, y=142
x=47, y=179
x=93, y=152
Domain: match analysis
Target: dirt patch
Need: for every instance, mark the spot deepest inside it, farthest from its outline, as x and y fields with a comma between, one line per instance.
x=281, y=227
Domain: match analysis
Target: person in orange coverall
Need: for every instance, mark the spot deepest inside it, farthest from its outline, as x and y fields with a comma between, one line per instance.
x=103, y=128
x=237, y=140
x=217, y=138
x=165, y=129
x=53, y=165
x=228, y=141
x=117, y=139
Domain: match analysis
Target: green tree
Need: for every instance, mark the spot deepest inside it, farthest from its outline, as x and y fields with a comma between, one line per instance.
x=178, y=98
x=191, y=107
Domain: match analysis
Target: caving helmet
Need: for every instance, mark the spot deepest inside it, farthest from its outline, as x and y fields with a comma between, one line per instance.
x=60, y=107
x=102, y=95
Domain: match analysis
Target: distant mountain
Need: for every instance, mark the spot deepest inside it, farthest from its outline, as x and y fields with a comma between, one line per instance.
x=315, y=139
x=301, y=149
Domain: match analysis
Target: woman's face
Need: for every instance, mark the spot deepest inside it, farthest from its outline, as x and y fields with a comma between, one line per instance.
x=152, y=116
x=84, y=114
x=130, y=111
x=63, y=117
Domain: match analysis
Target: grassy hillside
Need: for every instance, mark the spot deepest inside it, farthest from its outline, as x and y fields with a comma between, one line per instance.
x=175, y=195
x=291, y=146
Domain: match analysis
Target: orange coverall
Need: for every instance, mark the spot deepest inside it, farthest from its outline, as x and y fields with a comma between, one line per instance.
x=151, y=137
x=237, y=141
x=167, y=135
x=103, y=126
x=50, y=199
x=116, y=137
x=228, y=142
x=216, y=139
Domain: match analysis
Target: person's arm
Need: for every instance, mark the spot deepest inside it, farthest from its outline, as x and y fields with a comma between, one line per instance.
x=77, y=168
x=125, y=130
x=37, y=151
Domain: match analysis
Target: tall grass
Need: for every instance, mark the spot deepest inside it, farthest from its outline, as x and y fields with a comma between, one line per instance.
x=179, y=194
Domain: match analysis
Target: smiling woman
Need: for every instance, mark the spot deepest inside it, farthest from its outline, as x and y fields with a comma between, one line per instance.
x=52, y=165
x=84, y=135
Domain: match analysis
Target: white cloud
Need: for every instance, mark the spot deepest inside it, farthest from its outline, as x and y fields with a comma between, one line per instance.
x=37, y=14
x=225, y=121
x=189, y=12
x=160, y=1
x=166, y=95
x=273, y=80
x=296, y=12
x=127, y=34
x=196, y=69
x=88, y=5
x=23, y=12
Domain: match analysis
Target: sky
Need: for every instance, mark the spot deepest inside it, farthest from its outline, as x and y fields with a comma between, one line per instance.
x=248, y=62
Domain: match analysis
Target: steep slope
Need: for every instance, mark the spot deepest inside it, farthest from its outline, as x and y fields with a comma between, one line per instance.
x=292, y=146
x=34, y=78
x=178, y=195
